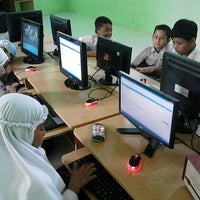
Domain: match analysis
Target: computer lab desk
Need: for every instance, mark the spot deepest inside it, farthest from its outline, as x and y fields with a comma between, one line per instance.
x=160, y=176
x=68, y=104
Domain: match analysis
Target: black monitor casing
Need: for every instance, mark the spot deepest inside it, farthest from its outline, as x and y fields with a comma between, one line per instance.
x=112, y=57
x=180, y=79
x=59, y=24
x=14, y=22
x=32, y=41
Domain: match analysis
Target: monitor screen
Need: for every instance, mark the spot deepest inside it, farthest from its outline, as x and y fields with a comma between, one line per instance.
x=59, y=24
x=180, y=78
x=73, y=61
x=150, y=110
x=32, y=41
x=112, y=57
x=14, y=22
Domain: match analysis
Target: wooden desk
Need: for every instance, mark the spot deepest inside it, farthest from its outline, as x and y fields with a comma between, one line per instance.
x=70, y=104
x=160, y=176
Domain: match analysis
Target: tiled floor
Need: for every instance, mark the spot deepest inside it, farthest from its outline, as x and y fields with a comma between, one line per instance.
x=82, y=25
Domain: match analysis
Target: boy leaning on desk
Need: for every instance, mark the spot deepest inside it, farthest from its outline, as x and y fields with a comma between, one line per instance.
x=183, y=35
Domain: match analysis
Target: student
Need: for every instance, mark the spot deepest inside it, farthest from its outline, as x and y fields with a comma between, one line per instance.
x=184, y=34
x=103, y=28
x=7, y=76
x=149, y=61
x=25, y=171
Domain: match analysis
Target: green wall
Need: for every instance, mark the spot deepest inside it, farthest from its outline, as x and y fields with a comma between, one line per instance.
x=141, y=15
x=50, y=6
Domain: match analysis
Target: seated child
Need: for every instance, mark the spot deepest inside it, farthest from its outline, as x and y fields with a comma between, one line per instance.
x=149, y=61
x=8, y=79
x=184, y=34
x=103, y=28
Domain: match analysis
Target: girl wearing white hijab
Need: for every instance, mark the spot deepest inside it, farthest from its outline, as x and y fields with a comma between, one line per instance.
x=25, y=172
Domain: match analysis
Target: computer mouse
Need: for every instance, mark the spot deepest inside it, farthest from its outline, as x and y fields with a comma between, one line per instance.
x=91, y=101
x=31, y=69
x=135, y=163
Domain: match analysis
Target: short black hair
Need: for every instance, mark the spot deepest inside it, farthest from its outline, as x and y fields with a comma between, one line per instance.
x=101, y=20
x=165, y=28
x=185, y=29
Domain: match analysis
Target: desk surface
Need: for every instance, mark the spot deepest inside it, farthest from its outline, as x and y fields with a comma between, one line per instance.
x=69, y=104
x=160, y=176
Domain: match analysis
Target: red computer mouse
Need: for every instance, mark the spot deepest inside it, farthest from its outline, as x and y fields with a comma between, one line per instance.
x=31, y=69
x=135, y=163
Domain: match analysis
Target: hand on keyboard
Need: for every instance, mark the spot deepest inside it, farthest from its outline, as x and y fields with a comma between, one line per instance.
x=81, y=176
x=104, y=187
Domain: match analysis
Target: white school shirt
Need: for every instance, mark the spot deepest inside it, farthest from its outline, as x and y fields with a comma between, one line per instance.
x=151, y=56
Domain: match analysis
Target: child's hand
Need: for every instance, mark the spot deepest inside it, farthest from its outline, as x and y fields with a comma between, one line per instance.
x=81, y=176
x=146, y=70
x=13, y=88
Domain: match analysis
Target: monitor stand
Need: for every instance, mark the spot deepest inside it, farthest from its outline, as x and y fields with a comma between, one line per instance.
x=152, y=144
x=70, y=84
x=181, y=126
x=107, y=80
x=128, y=131
x=55, y=52
x=151, y=147
x=33, y=60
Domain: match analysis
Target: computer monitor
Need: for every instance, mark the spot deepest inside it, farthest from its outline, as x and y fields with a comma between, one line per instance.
x=112, y=57
x=180, y=78
x=153, y=112
x=73, y=61
x=59, y=24
x=14, y=22
x=32, y=41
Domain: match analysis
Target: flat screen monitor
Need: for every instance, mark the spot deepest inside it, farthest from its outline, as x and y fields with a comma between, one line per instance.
x=180, y=79
x=32, y=41
x=73, y=61
x=59, y=24
x=14, y=22
x=112, y=57
x=153, y=112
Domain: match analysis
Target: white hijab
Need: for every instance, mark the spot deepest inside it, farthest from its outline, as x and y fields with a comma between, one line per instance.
x=25, y=173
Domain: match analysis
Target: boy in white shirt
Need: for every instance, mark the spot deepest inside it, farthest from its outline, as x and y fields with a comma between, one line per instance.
x=149, y=61
x=103, y=28
x=184, y=34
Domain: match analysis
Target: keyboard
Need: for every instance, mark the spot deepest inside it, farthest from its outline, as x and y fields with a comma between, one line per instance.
x=104, y=187
x=53, y=120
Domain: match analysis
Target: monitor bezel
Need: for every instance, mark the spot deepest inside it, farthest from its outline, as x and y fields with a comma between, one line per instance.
x=142, y=130
x=121, y=64
x=14, y=22
x=72, y=81
x=33, y=58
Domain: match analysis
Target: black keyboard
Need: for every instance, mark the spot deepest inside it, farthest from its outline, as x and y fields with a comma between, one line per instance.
x=104, y=187
x=53, y=120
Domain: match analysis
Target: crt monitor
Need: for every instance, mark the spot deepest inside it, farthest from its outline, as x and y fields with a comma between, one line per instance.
x=73, y=61
x=153, y=112
x=14, y=22
x=32, y=41
x=112, y=57
x=180, y=78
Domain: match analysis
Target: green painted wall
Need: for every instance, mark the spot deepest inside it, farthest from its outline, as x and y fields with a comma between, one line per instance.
x=50, y=6
x=141, y=15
